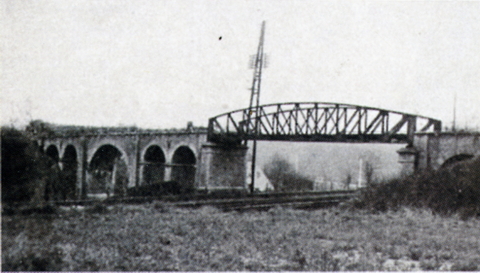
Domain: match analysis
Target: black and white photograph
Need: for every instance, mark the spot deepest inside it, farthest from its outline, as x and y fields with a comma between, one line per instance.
x=240, y=135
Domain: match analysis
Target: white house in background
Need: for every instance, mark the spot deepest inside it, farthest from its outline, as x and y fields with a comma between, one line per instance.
x=262, y=183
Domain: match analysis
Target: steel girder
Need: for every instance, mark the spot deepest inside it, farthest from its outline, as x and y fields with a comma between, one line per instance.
x=318, y=121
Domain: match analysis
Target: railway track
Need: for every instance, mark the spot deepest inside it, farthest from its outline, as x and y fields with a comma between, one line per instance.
x=303, y=201
x=258, y=201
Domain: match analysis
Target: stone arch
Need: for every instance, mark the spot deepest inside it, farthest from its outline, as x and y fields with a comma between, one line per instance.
x=154, y=165
x=52, y=189
x=184, y=167
x=456, y=158
x=108, y=171
x=187, y=145
x=96, y=145
x=52, y=152
x=69, y=172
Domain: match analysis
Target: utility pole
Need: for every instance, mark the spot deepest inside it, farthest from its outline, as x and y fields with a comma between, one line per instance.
x=258, y=65
x=454, y=129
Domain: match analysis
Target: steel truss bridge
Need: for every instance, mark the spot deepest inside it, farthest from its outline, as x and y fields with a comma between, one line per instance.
x=318, y=121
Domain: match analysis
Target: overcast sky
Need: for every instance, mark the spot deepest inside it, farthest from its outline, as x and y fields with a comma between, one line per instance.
x=159, y=64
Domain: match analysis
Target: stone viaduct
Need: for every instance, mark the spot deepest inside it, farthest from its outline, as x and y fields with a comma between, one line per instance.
x=90, y=158
x=436, y=150
x=93, y=159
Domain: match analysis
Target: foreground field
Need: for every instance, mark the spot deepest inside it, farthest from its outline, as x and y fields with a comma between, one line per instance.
x=154, y=237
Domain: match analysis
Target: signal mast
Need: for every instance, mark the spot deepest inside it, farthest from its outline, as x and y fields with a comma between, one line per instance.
x=258, y=62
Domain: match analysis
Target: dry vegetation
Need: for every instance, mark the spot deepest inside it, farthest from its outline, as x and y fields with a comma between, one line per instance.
x=154, y=237
x=452, y=189
x=429, y=221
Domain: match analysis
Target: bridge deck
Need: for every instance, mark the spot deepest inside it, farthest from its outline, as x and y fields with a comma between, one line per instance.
x=318, y=121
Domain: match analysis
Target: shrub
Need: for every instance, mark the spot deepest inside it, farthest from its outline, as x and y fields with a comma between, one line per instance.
x=454, y=189
x=26, y=170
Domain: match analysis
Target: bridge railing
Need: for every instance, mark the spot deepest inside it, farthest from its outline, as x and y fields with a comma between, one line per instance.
x=318, y=121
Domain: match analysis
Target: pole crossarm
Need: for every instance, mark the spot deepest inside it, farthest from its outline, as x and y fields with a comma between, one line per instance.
x=318, y=121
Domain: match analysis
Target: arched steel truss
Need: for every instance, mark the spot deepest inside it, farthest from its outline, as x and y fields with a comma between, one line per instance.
x=318, y=121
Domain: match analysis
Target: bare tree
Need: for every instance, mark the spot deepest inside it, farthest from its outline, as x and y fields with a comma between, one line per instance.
x=283, y=177
x=348, y=181
x=276, y=171
x=369, y=172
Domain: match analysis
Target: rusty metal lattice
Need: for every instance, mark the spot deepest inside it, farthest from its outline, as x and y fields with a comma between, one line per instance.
x=318, y=121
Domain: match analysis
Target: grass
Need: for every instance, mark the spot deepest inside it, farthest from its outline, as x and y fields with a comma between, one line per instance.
x=156, y=237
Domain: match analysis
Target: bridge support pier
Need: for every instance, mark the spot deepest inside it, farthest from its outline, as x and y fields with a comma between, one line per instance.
x=168, y=172
x=222, y=168
x=408, y=157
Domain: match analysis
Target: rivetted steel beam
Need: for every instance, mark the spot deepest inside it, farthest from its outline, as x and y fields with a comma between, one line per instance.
x=316, y=121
